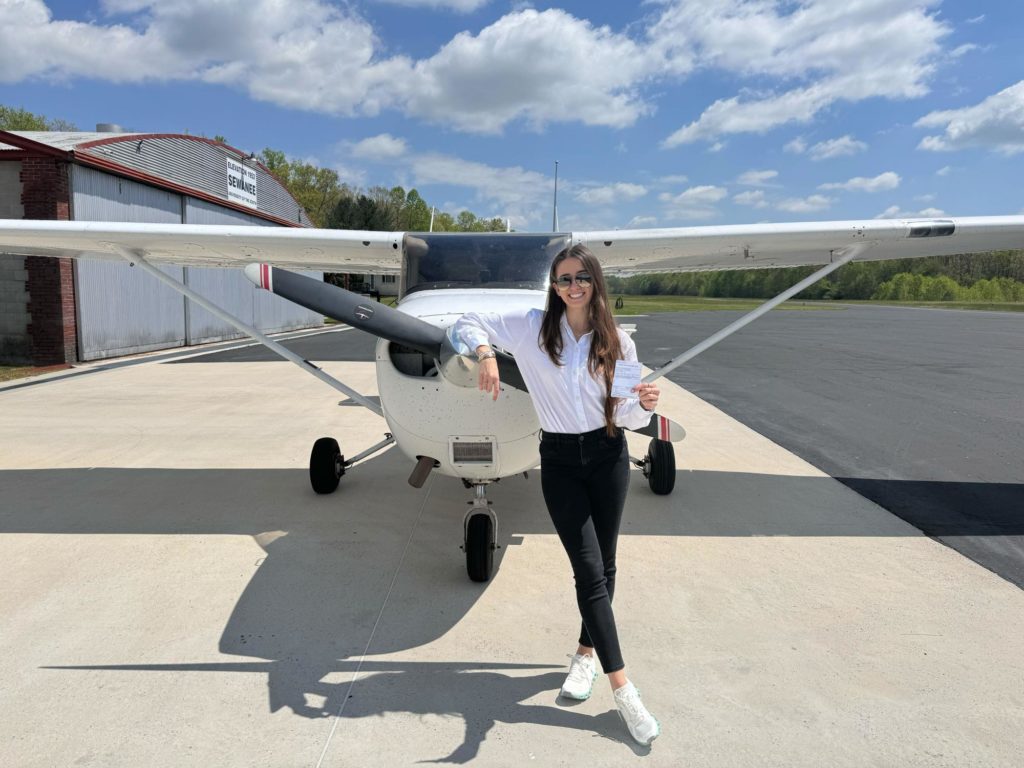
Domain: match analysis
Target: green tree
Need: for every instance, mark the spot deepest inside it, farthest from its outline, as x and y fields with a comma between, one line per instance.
x=317, y=190
x=17, y=119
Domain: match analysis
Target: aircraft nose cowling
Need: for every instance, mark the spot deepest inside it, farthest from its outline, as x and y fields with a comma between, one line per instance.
x=350, y=308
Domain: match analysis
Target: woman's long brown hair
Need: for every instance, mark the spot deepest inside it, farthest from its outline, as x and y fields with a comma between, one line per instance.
x=605, y=348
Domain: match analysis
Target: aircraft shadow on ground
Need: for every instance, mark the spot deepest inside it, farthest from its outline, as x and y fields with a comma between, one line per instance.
x=329, y=562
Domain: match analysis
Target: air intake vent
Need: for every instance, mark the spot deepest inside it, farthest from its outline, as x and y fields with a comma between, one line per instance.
x=472, y=453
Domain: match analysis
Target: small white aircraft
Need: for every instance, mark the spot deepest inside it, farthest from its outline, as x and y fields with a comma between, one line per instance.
x=426, y=379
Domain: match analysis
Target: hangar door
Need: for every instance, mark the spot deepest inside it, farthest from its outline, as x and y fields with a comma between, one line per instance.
x=122, y=310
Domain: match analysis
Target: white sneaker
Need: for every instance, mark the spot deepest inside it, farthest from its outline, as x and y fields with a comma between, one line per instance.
x=580, y=681
x=641, y=724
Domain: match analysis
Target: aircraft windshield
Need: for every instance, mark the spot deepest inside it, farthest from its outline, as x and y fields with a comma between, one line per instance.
x=470, y=260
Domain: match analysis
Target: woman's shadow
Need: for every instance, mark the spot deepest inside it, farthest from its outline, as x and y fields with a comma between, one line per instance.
x=481, y=698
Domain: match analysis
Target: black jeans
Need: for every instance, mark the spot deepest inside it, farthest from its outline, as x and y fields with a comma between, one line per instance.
x=584, y=479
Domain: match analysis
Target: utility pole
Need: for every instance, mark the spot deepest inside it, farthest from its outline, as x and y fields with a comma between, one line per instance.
x=554, y=212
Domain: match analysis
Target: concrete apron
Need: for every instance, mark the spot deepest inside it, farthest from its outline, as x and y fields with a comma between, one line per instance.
x=176, y=595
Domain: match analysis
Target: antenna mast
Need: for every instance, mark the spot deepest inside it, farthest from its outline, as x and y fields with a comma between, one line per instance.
x=554, y=212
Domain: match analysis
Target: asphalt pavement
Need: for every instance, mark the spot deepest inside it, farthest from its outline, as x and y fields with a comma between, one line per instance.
x=918, y=410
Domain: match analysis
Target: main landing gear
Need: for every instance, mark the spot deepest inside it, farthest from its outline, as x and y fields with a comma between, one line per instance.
x=480, y=536
x=327, y=465
x=659, y=466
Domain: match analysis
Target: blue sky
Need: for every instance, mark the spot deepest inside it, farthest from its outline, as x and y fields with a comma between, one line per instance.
x=660, y=113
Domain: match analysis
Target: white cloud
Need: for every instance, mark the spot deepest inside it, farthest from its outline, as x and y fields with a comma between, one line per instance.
x=315, y=55
x=832, y=51
x=895, y=212
x=639, y=222
x=718, y=146
x=539, y=67
x=944, y=170
x=462, y=6
x=996, y=123
x=672, y=179
x=754, y=197
x=694, y=203
x=976, y=19
x=384, y=146
x=882, y=181
x=608, y=194
x=756, y=178
x=512, y=191
x=796, y=147
x=805, y=204
x=844, y=145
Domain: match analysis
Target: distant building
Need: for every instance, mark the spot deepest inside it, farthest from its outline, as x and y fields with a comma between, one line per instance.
x=63, y=310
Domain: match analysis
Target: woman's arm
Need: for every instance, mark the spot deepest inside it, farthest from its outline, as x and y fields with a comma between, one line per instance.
x=478, y=330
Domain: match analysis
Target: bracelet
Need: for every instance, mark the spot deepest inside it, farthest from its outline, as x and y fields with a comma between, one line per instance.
x=486, y=356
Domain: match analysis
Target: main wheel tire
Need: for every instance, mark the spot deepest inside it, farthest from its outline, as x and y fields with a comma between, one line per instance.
x=326, y=465
x=661, y=467
x=480, y=547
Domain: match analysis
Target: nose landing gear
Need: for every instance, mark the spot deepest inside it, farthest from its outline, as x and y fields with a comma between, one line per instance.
x=480, y=536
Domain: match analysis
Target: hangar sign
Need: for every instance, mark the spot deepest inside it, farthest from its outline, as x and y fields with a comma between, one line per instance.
x=241, y=184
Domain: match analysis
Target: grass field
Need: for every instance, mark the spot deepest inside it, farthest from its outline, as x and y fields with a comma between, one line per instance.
x=646, y=305
x=12, y=372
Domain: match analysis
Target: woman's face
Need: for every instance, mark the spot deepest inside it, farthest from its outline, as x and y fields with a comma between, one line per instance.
x=573, y=294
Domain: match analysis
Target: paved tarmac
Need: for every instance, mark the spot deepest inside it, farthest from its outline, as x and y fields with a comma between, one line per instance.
x=176, y=595
x=919, y=410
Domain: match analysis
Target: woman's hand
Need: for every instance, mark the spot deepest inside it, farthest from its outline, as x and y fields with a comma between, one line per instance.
x=648, y=394
x=487, y=380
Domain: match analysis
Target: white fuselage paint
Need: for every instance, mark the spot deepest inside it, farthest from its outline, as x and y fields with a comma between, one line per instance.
x=426, y=414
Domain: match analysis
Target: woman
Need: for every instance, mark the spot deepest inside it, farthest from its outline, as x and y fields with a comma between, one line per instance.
x=566, y=354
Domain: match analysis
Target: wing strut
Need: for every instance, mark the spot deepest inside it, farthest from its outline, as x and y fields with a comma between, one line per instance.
x=848, y=254
x=136, y=259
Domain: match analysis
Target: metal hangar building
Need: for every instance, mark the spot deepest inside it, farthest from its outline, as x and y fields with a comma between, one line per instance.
x=55, y=311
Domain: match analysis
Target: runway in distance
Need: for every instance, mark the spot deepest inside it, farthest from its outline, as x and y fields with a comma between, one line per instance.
x=426, y=379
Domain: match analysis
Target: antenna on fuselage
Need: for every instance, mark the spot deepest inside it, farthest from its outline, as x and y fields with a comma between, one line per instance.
x=554, y=211
x=431, y=218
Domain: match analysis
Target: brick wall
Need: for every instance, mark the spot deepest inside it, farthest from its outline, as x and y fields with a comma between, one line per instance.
x=51, y=288
x=14, y=341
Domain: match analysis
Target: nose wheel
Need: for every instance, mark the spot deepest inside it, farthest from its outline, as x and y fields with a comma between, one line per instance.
x=480, y=537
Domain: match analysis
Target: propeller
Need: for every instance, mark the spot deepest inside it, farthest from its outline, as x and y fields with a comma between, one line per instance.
x=379, y=320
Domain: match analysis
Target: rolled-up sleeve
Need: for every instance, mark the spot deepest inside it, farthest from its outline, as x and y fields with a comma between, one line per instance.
x=504, y=330
x=629, y=414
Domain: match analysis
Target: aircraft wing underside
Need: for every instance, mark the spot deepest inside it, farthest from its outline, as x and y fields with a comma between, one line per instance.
x=752, y=246
x=683, y=249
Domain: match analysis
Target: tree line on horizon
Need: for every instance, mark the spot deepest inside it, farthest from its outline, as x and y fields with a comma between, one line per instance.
x=985, y=277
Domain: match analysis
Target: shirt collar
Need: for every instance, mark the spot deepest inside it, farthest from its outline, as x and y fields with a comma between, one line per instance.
x=567, y=331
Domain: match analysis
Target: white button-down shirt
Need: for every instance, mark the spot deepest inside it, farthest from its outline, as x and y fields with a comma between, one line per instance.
x=567, y=398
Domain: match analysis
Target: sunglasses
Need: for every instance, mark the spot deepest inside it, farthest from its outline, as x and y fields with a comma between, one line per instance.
x=582, y=280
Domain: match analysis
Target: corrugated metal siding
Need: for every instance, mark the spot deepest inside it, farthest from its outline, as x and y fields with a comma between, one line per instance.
x=229, y=289
x=122, y=310
x=199, y=165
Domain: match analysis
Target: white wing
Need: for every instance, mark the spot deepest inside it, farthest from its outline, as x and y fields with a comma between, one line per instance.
x=632, y=251
x=330, y=250
x=626, y=251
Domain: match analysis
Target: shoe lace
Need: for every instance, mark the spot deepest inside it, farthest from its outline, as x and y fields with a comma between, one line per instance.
x=631, y=704
x=578, y=669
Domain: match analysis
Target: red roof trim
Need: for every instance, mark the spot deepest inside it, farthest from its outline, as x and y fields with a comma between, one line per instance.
x=35, y=147
x=29, y=148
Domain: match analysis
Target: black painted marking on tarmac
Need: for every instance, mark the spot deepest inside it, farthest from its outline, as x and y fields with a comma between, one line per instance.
x=920, y=411
x=351, y=346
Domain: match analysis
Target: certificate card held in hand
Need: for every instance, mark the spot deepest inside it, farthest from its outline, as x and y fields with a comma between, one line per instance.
x=627, y=376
